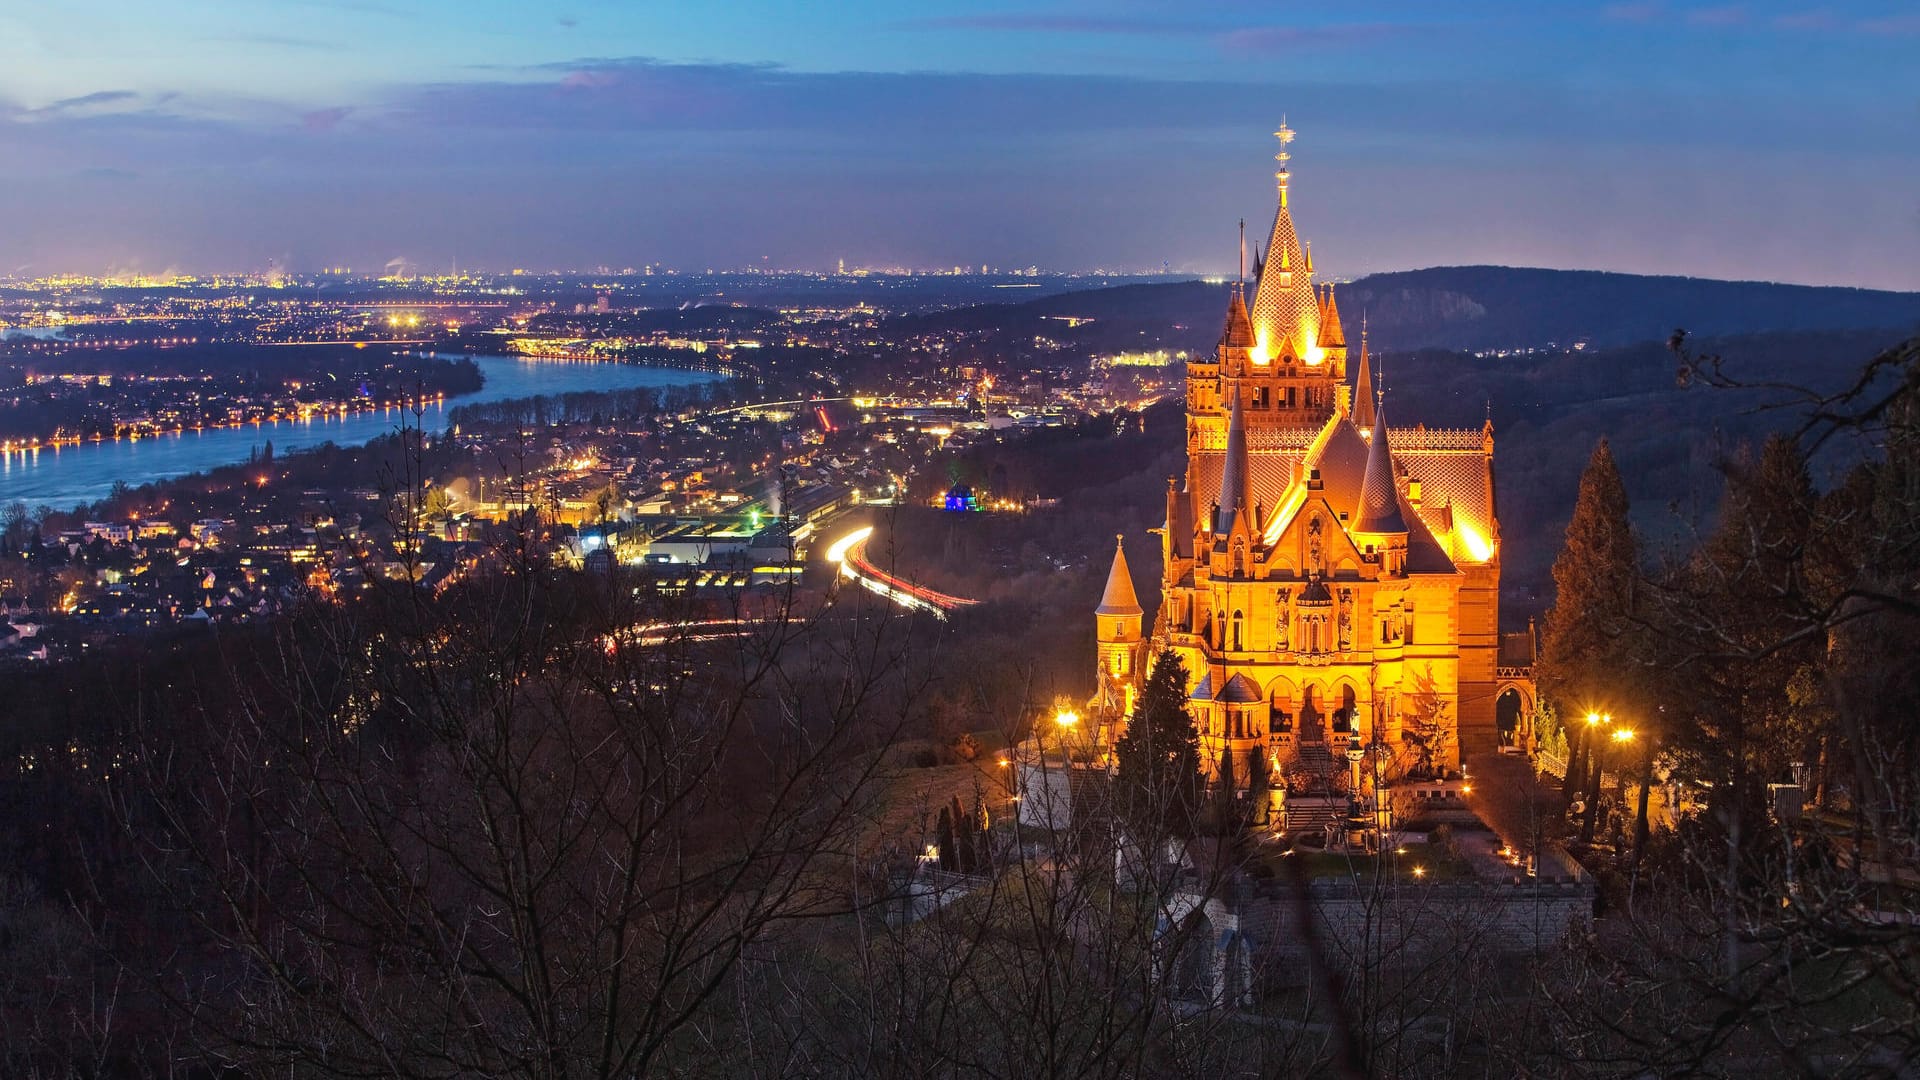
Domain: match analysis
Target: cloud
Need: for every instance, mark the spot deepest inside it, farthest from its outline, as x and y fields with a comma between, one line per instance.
x=1639, y=11
x=84, y=102
x=1806, y=20
x=1236, y=39
x=1267, y=39
x=1725, y=16
x=282, y=41
x=1892, y=24
x=324, y=119
x=1051, y=24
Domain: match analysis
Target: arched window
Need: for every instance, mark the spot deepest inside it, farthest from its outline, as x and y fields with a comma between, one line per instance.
x=1239, y=624
x=1343, y=716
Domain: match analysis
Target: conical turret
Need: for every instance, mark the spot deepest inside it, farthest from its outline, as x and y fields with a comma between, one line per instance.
x=1363, y=417
x=1331, y=335
x=1239, y=331
x=1235, y=481
x=1379, y=497
x=1119, y=597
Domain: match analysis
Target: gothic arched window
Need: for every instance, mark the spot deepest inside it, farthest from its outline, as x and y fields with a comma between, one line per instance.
x=1239, y=624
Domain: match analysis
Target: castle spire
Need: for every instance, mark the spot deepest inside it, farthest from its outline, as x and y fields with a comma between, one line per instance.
x=1332, y=336
x=1379, y=496
x=1284, y=307
x=1363, y=417
x=1239, y=331
x=1235, y=479
x=1119, y=597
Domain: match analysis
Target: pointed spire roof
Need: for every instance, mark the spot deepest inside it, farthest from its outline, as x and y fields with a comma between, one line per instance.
x=1331, y=335
x=1285, y=308
x=1363, y=391
x=1379, y=495
x=1119, y=599
x=1235, y=476
x=1239, y=331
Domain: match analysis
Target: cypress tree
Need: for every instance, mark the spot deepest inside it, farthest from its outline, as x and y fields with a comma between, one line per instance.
x=943, y=839
x=962, y=838
x=1226, y=814
x=1259, y=784
x=1593, y=579
x=1159, y=756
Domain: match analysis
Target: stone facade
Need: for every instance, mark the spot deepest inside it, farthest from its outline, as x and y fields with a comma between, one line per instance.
x=1325, y=576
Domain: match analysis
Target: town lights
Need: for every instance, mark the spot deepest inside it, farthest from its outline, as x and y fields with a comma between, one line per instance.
x=1066, y=718
x=1624, y=735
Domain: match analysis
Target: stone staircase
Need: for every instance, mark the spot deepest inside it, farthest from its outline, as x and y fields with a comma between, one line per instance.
x=1313, y=813
x=1321, y=762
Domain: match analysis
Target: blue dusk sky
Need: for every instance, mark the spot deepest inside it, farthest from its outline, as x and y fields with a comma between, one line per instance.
x=1743, y=140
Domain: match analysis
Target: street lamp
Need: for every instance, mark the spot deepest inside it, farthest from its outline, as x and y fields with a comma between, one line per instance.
x=1068, y=722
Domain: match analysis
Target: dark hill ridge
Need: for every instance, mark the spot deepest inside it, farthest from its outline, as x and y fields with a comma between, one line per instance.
x=1496, y=307
x=1467, y=307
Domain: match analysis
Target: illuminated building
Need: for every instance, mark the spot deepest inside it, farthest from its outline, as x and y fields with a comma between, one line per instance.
x=1324, y=575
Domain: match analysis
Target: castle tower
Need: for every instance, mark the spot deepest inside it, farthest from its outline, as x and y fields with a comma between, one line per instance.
x=1117, y=625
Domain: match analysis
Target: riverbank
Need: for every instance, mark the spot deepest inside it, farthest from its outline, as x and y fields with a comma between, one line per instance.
x=66, y=476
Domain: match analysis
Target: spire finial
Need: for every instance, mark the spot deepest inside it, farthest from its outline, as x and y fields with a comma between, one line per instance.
x=1285, y=135
x=1240, y=281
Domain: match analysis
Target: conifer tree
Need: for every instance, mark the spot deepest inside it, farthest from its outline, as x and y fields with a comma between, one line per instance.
x=1226, y=815
x=1594, y=579
x=1159, y=756
x=943, y=840
x=1259, y=785
x=962, y=838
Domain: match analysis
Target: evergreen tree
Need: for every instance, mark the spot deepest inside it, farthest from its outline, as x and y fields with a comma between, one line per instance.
x=1259, y=786
x=962, y=838
x=1226, y=813
x=1159, y=756
x=1594, y=588
x=943, y=840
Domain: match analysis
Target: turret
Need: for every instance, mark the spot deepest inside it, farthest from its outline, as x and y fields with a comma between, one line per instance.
x=1117, y=627
x=1236, y=480
x=1379, y=515
x=1363, y=392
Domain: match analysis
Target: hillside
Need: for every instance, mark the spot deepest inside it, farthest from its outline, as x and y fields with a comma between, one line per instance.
x=1498, y=307
x=1461, y=308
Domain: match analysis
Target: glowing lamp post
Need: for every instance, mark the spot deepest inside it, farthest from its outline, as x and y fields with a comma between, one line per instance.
x=1067, y=722
x=1356, y=817
x=1355, y=752
x=1622, y=738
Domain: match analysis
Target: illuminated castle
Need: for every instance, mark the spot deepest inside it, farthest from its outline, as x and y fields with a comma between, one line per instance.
x=1325, y=575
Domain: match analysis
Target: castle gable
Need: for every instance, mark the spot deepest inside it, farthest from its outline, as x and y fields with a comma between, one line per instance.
x=1312, y=538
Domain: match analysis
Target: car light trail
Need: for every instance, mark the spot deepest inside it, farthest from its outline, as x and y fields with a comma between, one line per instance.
x=850, y=552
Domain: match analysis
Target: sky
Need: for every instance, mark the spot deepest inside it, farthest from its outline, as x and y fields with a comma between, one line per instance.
x=1768, y=141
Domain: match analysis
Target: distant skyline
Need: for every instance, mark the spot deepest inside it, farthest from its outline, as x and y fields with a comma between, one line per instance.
x=1769, y=141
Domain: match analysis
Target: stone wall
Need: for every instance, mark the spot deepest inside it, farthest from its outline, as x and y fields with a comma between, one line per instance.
x=1404, y=923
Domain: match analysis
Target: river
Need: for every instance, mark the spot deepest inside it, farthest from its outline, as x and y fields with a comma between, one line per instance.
x=66, y=476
